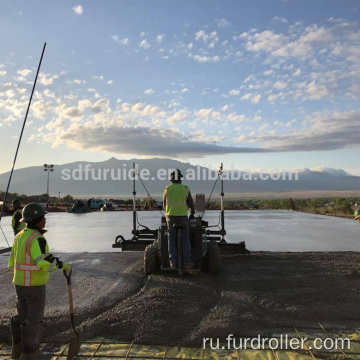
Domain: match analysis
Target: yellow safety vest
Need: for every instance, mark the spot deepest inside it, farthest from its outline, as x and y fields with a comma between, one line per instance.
x=176, y=196
x=22, y=224
x=30, y=268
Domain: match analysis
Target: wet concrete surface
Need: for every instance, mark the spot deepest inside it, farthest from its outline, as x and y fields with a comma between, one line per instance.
x=272, y=291
x=263, y=230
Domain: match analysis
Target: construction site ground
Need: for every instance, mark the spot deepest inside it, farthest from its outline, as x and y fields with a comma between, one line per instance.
x=262, y=293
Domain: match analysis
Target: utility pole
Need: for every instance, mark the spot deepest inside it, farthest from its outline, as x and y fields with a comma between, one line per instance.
x=48, y=168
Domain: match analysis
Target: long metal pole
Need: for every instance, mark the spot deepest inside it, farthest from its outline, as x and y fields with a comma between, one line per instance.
x=48, y=186
x=223, y=233
x=134, y=203
x=21, y=134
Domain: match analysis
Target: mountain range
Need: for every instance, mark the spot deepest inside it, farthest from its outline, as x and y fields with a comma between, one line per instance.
x=33, y=180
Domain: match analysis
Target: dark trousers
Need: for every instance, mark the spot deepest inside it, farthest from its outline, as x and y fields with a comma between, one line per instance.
x=27, y=326
x=185, y=238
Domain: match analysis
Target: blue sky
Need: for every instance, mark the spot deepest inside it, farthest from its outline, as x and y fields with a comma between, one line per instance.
x=258, y=84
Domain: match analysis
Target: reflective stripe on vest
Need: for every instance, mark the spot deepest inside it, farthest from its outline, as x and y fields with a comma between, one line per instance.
x=41, y=257
x=30, y=267
x=25, y=267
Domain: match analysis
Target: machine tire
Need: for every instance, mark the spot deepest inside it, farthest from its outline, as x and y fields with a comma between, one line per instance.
x=213, y=257
x=151, y=263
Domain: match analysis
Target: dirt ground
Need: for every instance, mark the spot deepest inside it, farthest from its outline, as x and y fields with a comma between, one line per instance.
x=271, y=291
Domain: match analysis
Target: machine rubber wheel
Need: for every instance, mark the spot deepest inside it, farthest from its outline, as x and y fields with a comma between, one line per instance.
x=213, y=257
x=151, y=263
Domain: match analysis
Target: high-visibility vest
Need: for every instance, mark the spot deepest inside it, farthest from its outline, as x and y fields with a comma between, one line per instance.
x=30, y=268
x=21, y=225
x=176, y=196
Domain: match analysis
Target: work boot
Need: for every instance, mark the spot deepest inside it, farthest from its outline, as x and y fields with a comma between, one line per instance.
x=189, y=266
x=37, y=355
x=16, y=351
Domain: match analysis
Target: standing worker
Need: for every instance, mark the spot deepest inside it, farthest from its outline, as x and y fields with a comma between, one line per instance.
x=16, y=223
x=357, y=215
x=32, y=262
x=177, y=200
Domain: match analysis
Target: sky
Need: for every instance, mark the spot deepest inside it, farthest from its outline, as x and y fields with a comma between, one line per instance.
x=257, y=84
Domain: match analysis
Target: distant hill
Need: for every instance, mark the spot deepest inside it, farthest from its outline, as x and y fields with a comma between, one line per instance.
x=32, y=180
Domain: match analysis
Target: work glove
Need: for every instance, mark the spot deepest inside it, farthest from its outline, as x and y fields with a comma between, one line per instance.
x=67, y=267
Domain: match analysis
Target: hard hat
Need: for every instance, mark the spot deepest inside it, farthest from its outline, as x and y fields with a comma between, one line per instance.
x=176, y=175
x=357, y=212
x=16, y=202
x=32, y=212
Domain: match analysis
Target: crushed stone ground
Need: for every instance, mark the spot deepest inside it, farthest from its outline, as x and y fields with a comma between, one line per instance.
x=113, y=298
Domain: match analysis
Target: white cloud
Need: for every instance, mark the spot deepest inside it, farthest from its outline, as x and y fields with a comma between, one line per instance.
x=39, y=109
x=222, y=23
x=184, y=90
x=236, y=118
x=297, y=72
x=78, y=10
x=160, y=38
x=144, y=44
x=234, y=92
x=149, y=91
x=205, y=59
x=316, y=92
x=279, y=19
x=268, y=72
x=142, y=34
x=100, y=77
x=48, y=93
x=255, y=99
x=312, y=37
x=265, y=41
x=101, y=105
x=178, y=116
x=24, y=72
x=47, y=79
x=279, y=85
x=202, y=35
x=2, y=72
x=124, y=41
x=110, y=82
x=246, y=96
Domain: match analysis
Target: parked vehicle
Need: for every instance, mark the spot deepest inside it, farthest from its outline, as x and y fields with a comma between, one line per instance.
x=96, y=204
x=79, y=207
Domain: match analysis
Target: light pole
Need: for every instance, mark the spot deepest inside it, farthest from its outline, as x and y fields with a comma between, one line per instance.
x=48, y=168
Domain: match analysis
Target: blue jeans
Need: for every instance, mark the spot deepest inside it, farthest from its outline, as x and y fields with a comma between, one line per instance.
x=185, y=237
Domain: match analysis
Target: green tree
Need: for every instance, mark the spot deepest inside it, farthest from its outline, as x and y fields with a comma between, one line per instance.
x=68, y=199
x=291, y=204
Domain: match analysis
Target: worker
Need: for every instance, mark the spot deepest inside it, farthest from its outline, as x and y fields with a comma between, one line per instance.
x=16, y=223
x=31, y=262
x=177, y=200
x=357, y=215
